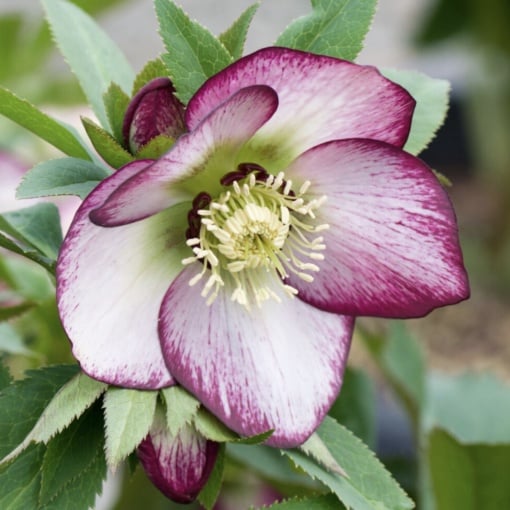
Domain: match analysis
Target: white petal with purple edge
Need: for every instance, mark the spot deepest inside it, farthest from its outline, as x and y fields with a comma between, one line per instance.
x=185, y=170
x=278, y=366
x=392, y=249
x=110, y=283
x=320, y=99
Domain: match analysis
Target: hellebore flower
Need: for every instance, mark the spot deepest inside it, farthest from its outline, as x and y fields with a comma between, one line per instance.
x=178, y=465
x=235, y=263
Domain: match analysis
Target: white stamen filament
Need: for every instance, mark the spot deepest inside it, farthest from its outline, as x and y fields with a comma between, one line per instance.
x=254, y=233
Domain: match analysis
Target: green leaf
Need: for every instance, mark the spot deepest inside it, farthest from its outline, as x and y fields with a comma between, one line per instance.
x=403, y=358
x=181, y=408
x=355, y=406
x=42, y=125
x=116, y=102
x=432, y=98
x=128, y=419
x=314, y=447
x=212, y=428
x=38, y=226
x=91, y=54
x=28, y=252
x=155, y=148
x=11, y=341
x=107, y=147
x=468, y=477
x=234, y=38
x=194, y=54
x=269, y=463
x=66, y=176
x=473, y=408
x=22, y=403
x=5, y=376
x=20, y=481
x=368, y=486
x=442, y=21
x=71, y=401
x=209, y=494
x=334, y=27
x=323, y=502
x=74, y=466
x=399, y=357
x=152, y=69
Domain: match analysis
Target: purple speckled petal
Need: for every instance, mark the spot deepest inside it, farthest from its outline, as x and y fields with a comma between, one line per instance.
x=179, y=466
x=110, y=283
x=277, y=367
x=153, y=111
x=216, y=141
x=392, y=249
x=320, y=99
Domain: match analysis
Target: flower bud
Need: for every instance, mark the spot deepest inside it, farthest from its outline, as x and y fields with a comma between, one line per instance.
x=153, y=111
x=178, y=465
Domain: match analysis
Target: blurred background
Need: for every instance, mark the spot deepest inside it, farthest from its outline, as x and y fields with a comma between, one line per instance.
x=464, y=41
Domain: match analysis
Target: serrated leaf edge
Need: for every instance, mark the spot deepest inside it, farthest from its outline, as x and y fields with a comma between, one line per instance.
x=32, y=436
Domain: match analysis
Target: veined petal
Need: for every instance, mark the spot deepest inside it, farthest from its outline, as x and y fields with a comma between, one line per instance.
x=153, y=111
x=196, y=162
x=277, y=366
x=320, y=99
x=110, y=283
x=392, y=248
x=179, y=466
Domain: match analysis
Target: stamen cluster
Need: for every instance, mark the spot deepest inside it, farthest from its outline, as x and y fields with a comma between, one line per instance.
x=258, y=227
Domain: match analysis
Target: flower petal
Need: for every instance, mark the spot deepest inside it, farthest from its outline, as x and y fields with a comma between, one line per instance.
x=277, y=367
x=392, y=248
x=110, y=283
x=179, y=466
x=178, y=175
x=320, y=99
x=153, y=111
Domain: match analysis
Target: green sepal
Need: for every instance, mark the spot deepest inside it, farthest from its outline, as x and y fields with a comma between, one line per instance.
x=128, y=417
x=152, y=70
x=209, y=494
x=116, y=102
x=106, y=146
x=156, y=147
x=235, y=37
x=215, y=430
x=181, y=408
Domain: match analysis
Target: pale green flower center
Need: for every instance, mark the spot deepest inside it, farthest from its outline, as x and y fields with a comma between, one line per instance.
x=255, y=228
